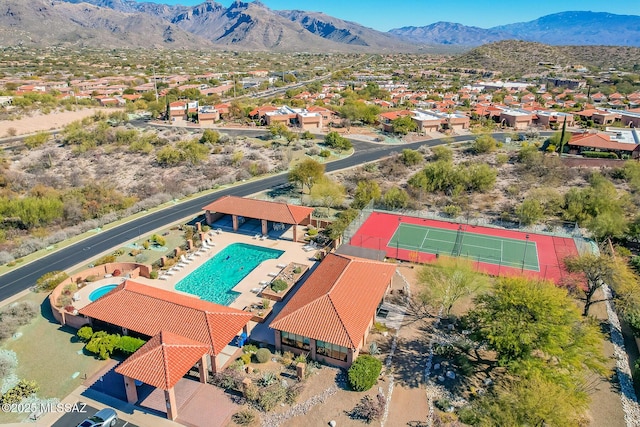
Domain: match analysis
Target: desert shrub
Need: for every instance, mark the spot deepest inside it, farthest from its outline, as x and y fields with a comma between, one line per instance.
x=364, y=372
x=301, y=358
x=229, y=379
x=249, y=348
x=452, y=210
x=502, y=158
x=269, y=398
x=159, y=240
x=263, y=355
x=267, y=379
x=23, y=389
x=50, y=280
x=287, y=358
x=468, y=415
x=313, y=232
x=153, y=274
x=8, y=363
x=324, y=153
x=251, y=392
x=297, y=270
x=243, y=418
x=14, y=316
x=293, y=392
x=599, y=155
x=369, y=409
x=279, y=285
x=246, y=358
x=105, y=259
x=102, y=344
x=85, y=333
x=129, y=345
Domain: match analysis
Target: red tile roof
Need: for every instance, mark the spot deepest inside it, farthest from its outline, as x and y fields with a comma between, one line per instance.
x=260, y=209
x=148, y=310
x=163, y=360
x=600, y=141
x=338, y=301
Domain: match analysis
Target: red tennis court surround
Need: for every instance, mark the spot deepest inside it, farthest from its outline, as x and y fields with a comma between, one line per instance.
x=377, y=230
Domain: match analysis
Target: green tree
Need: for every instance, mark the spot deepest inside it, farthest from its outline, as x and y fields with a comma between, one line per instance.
x=441, y=152
x=449, y=279
x=306, y=173
x=531, y=401
x=395, y=198
x=169, y=156
x=210, y=136
x=484, y=143
x=35, y=141
x=598, y=270
x=337, y=141
x=278, y=129
x=365, y=192
x=403, y=125
x=410, y=157
x=530, y=211
x=531, y=323
x=328, y=192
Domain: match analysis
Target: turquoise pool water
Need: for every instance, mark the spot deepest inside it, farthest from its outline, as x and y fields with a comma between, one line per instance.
x=214, y=279
x=103, y=290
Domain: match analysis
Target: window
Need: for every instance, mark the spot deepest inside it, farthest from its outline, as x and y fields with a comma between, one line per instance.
x=294, y=340
x=333, y=351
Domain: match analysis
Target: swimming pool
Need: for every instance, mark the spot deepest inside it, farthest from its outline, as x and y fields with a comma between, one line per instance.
x=214, y=279
x=102, y=290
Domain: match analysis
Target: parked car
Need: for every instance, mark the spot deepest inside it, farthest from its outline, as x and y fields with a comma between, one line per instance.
x=103, y=418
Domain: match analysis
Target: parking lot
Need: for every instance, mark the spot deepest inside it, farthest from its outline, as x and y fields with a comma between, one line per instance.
x=72, y=419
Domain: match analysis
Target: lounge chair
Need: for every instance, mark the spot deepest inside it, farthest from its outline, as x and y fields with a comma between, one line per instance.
x=281, y=265
x=76, y=296
x=257, y=236
x=256, y=290
x=263, y=237
x=272, y=274
x=183, y=259
x=218, y=230
x=182, y=264
x=264, y=283
x=170, y=273
x=163, y=277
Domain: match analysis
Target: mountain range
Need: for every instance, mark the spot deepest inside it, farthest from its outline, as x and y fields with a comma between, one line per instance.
x=253, y=26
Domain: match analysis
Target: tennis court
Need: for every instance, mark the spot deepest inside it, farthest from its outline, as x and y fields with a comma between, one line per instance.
x=502, y=251
x=495, y=251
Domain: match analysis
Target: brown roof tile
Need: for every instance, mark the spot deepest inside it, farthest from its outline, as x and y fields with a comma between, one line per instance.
x=337, y=301
x=163, y=360
x=260, y=209
x=148, y=310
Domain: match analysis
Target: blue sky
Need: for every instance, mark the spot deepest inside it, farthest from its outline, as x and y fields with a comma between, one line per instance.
x=386, y=14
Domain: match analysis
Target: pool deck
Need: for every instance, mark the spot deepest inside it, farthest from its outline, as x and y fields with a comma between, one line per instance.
x=293, y=252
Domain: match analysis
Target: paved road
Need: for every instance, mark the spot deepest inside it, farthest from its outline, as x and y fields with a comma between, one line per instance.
x=24, y=277
x=72, y=419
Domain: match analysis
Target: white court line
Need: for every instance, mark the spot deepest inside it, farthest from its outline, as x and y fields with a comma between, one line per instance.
x=425, y=238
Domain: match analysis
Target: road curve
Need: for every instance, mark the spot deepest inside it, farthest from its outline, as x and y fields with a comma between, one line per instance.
x=25, y=276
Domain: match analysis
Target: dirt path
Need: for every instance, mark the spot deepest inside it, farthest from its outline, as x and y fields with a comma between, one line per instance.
x=42, y=122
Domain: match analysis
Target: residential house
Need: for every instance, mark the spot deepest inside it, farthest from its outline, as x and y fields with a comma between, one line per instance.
x=330, y=316
x=386, y=119
x=621, y=145
x=177, y=111
x=207, y=115
x=515, y=118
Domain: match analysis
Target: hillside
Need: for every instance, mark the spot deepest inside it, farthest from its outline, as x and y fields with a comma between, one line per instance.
x=565, y=28
x=449, y=33
x=341, y=31
x=513, y=57
x=82, y=25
